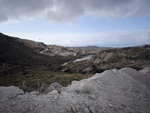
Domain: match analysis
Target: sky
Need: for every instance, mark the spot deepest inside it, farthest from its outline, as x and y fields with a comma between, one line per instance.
x=105, y=23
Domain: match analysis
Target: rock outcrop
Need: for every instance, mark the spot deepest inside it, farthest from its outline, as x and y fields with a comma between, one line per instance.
x=133, y=57
x=54, y=86
x=105, y=57
x=113, y=91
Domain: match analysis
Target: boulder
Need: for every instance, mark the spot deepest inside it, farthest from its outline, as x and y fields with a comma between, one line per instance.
x=9, y=92
x=113, y=91
x=54, y=86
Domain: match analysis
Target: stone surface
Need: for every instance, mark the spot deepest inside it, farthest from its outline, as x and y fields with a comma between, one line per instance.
x=54, y=86
x=113, y=91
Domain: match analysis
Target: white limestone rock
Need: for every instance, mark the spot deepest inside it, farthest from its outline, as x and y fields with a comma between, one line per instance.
x=113, y=91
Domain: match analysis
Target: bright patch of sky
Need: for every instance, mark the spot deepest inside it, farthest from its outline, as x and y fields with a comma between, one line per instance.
x=87, y=23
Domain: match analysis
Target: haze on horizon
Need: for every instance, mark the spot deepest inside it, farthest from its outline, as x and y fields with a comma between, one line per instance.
x=109, y=23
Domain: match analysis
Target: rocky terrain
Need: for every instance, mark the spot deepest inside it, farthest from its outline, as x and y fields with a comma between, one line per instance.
x=50, y=50
x=29, y=65
x=113, y=91
x=39, y=78
x=134, y=57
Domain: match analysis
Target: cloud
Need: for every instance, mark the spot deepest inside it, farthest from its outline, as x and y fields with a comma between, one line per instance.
x=70, y=10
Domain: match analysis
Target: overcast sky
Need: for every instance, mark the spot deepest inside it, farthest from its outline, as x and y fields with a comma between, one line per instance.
x=116, y=23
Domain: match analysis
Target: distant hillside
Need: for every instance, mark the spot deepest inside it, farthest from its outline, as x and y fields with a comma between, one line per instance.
x=37, y=46
x=11, y=50
x=17, y=54
x=91, y=48
x=135, y=57
x=50, y=50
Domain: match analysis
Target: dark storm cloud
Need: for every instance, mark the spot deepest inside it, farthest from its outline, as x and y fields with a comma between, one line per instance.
x=69, y=10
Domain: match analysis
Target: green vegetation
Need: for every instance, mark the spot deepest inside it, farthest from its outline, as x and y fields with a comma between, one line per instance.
x=29, y=79
x=26, y=68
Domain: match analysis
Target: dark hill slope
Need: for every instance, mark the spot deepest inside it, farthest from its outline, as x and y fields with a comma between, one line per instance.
x=12, y=51
x=15, y=54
